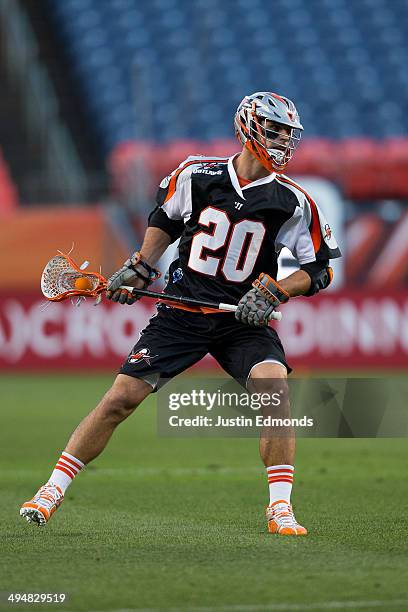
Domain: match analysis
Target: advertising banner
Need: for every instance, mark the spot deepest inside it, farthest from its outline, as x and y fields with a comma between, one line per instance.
x=342, y=329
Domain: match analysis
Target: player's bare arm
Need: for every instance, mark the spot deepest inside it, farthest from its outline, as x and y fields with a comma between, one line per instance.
x=297, y=283
x=154, y=244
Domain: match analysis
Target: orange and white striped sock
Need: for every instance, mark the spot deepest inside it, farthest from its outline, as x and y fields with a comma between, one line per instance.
x=65, y=471
x=280, y=480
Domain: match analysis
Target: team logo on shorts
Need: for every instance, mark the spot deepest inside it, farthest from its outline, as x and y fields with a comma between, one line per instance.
x=142, y=355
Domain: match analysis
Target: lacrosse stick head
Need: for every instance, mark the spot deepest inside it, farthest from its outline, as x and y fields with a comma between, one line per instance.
x=60, y=280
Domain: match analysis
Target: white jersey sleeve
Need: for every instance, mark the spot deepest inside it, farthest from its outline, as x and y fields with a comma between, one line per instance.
x=174, y=194
x=306, y=233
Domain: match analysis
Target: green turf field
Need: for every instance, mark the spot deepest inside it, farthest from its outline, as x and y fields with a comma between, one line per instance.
x=177, y=524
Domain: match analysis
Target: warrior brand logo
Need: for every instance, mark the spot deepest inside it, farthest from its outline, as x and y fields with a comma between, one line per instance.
x=142, y=355
x=327, y=232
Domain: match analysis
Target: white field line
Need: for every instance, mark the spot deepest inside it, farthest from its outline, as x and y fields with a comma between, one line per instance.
x=327, y=605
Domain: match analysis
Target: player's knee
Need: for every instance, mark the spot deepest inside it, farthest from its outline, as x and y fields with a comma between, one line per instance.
x=270, y=380
x=117, y=407
x=267, y=377
x=123, y=397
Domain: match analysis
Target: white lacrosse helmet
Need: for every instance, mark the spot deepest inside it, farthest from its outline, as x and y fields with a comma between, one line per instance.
x=255, y=131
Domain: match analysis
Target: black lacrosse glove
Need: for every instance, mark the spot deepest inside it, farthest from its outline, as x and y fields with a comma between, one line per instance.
x=255, y=308
x=135, y=272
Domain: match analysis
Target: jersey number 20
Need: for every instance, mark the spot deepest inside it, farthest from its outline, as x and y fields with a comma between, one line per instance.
x=245, y=240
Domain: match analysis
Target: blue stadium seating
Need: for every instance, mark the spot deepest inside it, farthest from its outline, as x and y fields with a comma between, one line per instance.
x=161, y=69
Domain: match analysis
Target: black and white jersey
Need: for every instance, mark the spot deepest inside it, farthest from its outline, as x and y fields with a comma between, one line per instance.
x=230, y=234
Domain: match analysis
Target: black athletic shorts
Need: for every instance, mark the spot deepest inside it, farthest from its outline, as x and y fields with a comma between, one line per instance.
x=176, y=339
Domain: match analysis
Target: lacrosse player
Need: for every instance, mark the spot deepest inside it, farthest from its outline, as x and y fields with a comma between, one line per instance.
x=232, y=216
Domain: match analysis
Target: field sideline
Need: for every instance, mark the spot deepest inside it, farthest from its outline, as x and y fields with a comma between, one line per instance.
x=177, y=524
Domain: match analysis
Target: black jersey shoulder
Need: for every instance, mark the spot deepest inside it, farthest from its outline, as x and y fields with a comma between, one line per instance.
x=209, y=172
x=297, y=191
x=211, y=168
x=201, y=163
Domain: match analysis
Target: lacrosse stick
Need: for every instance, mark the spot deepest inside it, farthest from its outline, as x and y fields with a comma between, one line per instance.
x=63, y=279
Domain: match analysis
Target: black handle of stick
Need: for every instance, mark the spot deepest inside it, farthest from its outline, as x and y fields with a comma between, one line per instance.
x=175, y=298
x=189, y=301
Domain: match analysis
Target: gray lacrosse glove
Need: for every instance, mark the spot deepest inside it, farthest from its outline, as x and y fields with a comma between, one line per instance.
x=255, y=308
x=135, y=272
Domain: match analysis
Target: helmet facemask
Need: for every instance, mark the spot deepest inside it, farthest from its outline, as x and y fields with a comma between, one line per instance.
x=259, y=123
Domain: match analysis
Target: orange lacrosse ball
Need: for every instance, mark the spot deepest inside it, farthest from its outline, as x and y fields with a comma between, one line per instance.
x=83, y=283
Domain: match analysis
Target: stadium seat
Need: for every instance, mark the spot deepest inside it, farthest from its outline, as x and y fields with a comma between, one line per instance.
x=168, y=70
x=203, y=56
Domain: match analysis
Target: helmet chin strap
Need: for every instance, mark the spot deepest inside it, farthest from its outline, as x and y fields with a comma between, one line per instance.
x=277, y=155
x=262, y=157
